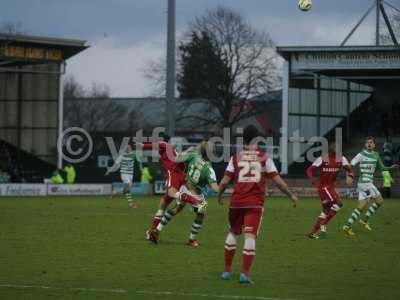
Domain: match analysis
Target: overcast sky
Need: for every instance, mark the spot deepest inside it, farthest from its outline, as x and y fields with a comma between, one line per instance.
x=125, y=34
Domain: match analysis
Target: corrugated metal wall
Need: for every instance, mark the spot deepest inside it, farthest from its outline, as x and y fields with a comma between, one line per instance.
x=29, y=110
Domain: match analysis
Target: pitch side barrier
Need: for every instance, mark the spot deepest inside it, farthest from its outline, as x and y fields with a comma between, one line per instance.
x=272, y=191
x=47, y=189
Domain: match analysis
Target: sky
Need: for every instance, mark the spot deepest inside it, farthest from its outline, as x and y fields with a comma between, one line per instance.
x=125, y=35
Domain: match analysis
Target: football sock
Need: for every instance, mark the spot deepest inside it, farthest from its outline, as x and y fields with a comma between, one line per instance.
x=354, y=216
x=128, y=197
x=332, y=213
x=230, y=249
x=157, y=219
x=196, y=227
x=249, y=253
x=166, y=218
x=371, y=211
x=320, y=220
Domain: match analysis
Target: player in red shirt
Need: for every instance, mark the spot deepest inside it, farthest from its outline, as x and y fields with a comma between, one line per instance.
x=248, y=170
x=174, y=179
x=329, y=167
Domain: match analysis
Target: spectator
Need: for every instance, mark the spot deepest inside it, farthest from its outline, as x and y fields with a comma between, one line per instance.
x=388, y=153
x=4, y=177
x=57, y=178
x=146, y=177
x=387, y=184
x=71, y=173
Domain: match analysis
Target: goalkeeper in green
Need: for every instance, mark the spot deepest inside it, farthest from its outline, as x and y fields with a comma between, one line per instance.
x=368, y=160
x=200, y=175
x=125, y=162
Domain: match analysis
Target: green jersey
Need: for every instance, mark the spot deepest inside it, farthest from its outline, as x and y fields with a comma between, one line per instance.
x=368, y=162
x=126, y=163
x=200, y=173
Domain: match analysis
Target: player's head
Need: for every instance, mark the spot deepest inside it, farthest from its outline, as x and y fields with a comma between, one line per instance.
x=165, y=137
x=332, y=148
x=370, y=143
x=206, y=149
x=250, y=133
x=130, y=146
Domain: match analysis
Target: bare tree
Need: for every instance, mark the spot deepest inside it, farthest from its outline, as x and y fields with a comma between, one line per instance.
x=91, y=109
x=156, y=73
x=250, y=56
x=385, y=37
x=12, y=28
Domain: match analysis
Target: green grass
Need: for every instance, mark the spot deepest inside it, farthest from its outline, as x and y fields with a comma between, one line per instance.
x=70, y=243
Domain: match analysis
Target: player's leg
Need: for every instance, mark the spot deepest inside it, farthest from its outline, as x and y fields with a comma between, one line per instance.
x=163, y=205
x=336, y=205
x=325, y=204
x=235, y=223
x=127, y=182
x=153, y=235
x=112, y=194
x=128, y=196
x=252, y=223
x=333, y=211
x=249, y=254
x=312, y=234
x=195, y=230
x=168, y=215
x=372, y=209
x=183, y=196
x=363, y=197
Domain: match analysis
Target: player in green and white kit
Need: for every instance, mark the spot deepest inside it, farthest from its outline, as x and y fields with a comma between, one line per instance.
x=125, y=162
x=200, y=174
x=368, y=160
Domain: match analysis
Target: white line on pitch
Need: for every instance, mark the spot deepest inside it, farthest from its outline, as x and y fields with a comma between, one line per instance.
x=123, y=291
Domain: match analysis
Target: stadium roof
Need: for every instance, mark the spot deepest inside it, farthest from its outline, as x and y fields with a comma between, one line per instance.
x=17, y=49
x=283, y=50
x=365, y=64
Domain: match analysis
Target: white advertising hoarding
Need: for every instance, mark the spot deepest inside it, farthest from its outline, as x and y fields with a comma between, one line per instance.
x=10, y=189
x=345, y=60
x=78, y=189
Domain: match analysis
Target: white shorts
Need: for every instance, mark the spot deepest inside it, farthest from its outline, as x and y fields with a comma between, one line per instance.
x=367, y=191
x=126, y=178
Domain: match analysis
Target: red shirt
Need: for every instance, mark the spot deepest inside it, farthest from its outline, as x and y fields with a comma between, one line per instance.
x=329, y=168
x=167, y=156
x=248, y=170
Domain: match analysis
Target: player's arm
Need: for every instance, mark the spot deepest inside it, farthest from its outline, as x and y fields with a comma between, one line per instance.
x=315, y=165
x=228, y=176
x=349, y=171
x=212, y=180
x=272, y=173
x=382, y=166
x=139, y=162
x=185, y=156
x=222, y=187
x=281, y=184
x=115, y=166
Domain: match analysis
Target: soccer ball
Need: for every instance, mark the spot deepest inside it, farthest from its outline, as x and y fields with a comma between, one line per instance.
x=305, y=5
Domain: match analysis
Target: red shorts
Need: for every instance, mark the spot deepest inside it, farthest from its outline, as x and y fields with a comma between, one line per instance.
x=328, y=196
x=174, y=179
x=247, y=220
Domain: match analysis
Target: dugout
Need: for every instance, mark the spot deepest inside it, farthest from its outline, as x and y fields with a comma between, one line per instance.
x=31, y=92
x=323, y=86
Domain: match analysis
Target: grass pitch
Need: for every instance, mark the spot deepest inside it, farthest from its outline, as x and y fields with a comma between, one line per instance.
x=76, y=248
